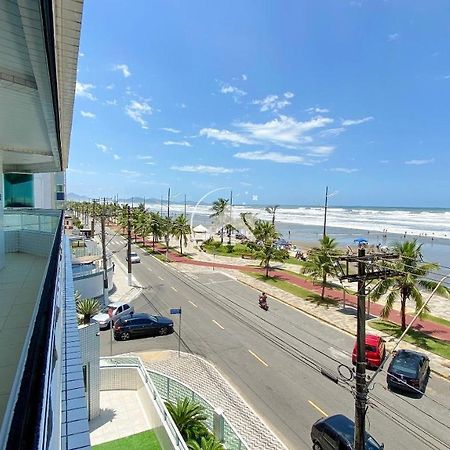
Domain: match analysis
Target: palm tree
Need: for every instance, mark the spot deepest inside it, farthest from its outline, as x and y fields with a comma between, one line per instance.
x=219, y=207
x=272, y=210
x=265, y=231
x=411, y=272
x=167, y=231
x=206, y=443
x=181, y=229
x=188, y=416
x=270, y=252
x=155, y=227
x=319, y=263
x=87, y=307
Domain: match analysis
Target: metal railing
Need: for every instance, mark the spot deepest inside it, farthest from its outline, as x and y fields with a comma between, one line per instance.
x=173, y=390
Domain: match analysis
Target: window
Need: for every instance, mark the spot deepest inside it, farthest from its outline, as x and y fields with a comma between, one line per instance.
x=19, y=192
x=125, y=307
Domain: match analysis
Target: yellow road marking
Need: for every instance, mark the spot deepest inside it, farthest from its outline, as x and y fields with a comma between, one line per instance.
x=175, y=289
x=218, y=324
x=318, y=409
x=193, y=304
x=258, y=358
x=161, y=278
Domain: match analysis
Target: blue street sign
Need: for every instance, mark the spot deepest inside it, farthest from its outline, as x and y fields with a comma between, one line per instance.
x=175, y=311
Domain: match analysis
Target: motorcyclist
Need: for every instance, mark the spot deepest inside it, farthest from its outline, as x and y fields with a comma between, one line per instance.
x=263, y=300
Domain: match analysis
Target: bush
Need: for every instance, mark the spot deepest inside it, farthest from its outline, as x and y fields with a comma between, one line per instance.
x=230, y=248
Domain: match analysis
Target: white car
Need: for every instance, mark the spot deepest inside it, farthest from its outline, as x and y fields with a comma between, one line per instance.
x=134, y=258
x=112, y=312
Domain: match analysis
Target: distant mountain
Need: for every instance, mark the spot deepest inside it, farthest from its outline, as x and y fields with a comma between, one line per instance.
x=71, y=196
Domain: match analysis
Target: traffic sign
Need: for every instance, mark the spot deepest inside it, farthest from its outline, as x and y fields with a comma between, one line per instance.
x=175, y=311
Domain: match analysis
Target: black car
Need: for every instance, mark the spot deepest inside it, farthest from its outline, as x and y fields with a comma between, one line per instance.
x=337, y=433
x=409, y=371
x=141, y=325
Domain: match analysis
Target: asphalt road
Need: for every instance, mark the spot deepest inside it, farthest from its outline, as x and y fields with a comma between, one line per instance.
x=274, y=359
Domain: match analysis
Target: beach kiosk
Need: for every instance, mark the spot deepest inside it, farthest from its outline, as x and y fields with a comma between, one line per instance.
x=200, y=233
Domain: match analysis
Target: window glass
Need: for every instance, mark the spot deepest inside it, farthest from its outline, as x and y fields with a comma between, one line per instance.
x=19, y=192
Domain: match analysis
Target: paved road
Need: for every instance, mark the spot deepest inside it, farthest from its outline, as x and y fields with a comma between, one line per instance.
x=274, y=359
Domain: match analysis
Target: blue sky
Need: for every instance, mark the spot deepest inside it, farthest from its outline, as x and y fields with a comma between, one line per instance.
x=274, y=99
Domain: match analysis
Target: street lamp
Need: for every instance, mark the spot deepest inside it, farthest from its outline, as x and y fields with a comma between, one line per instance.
x=326, y=207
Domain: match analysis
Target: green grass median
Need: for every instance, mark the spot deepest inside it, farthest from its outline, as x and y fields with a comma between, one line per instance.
x=422, y=340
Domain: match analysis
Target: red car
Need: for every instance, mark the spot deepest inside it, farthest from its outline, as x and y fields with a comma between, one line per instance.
x=375, y=351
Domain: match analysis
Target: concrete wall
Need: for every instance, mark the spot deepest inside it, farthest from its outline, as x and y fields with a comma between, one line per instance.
x=90, y=354
x=91, y=286
x=28, y=241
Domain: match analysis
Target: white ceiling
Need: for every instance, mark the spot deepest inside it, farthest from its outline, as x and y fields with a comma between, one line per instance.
x=28, y=129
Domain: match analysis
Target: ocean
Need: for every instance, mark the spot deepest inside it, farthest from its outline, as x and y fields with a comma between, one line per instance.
x=304, y=224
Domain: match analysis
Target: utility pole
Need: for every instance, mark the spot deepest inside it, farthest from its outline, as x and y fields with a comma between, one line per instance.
x=185, y=215
x=231, y=209
x=105, y=267
x=361, y=388
x=366, y=271
x=93, y=219
x=129, y=245
x=161, y=205
x=168, y=203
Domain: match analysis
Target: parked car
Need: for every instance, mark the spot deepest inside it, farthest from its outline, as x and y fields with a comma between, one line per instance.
x=375, y=351
x=408, y=371
x=112, y=312
x=337, y=433
x=134, y=258
x=141, y=325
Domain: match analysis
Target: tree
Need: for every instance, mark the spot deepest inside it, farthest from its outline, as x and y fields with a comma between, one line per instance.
x=269, y=252
x=181, y=229
x=272, y=210
x=206, y=443
x=188, y=416
x=87, y=307
x=156, y=227
x=167, y=231
x=319, y=263
x=411, y=273
x=219, y=207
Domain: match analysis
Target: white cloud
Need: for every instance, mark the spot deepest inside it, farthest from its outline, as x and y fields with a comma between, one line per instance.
x=270, y=156
x=228, y=89
x=290, y=95
x=123, y=68
x=317, y=110
x=384, y=161
x=343, y=170
x=81, y=54
x=102, y=147
x=419, y=162
x=244, y=77
x=144, y=157
x=244, y=183
x=81, y=172
x=272, y=103
x=110, y=86
x=84, y=90
x=284, y=130
x=321, y=150
x=225, y=135
x=131, y=173
x=170, y=130
x=349, y=122
x=88, y=114
x=214, y=170
x=331, y=132
x=255, y=198
x=111, y=102
x=137, y=110
x=393, y=37
x=116, y=157
x=183, y=105
x=180, y=143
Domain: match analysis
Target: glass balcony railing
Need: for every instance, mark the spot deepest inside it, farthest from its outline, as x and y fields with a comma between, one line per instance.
x=44, y=220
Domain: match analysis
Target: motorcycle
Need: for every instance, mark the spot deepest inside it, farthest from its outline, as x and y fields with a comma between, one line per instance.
x=263, y=304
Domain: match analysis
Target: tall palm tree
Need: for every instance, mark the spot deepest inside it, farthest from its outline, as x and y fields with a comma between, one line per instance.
x=188, y=416
x=319, y=263
x=272, y=210
x=167, y=231
x=219, y=207
x=156, y=227
x=181, y=230
x=269, y=252
x=411, y=273
x=265, y=232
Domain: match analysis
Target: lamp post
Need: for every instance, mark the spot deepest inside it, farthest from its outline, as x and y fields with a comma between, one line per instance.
x=326, y=207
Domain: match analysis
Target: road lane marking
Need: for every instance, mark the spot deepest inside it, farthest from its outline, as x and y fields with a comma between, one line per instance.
x=258, y=358
x=318, y=409
x=175, y=289
x=193, y=304
x=149, y=269
x=161, y=278
x=218, y=324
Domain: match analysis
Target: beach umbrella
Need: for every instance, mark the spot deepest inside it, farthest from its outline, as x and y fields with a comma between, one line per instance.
x=361, y=240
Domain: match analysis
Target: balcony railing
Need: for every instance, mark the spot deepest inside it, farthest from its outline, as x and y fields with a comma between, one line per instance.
x=46, y=220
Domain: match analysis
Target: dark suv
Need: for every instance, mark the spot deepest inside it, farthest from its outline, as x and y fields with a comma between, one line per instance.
x=409, y=371
x=337, y=433
x=141, y=325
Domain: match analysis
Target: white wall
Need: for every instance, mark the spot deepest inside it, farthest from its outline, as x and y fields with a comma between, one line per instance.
x=91, y=286
x=44, y=190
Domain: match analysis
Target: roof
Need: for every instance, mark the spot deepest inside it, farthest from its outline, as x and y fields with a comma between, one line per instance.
x=200, y=229
x=372, y=339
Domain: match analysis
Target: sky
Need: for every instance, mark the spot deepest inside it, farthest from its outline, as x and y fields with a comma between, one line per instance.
x=272, y=99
